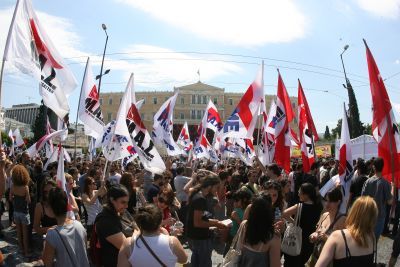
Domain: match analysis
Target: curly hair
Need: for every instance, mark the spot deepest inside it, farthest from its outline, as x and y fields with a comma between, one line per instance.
x=20, y=176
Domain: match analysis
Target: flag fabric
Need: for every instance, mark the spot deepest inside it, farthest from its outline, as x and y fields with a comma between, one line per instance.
x=345, y=157
x=242, y=122
x=130, y=124
x=163, y=126
x=384, y=126
x=201, y=145
x=89, y=106
x=92, y=148
x=283, y=116
x=60, y=177
x=139, y=104
x=263, y=147
x=11, y=136
x=36, y=147
x=18, y=140
x=30, y=50
x=114, y=147
x=213, y=119
x=184, y=138
x=49, y=145
x=245, y=151
x=307, y=131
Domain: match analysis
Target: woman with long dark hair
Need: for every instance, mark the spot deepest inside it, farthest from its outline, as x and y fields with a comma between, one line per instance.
x=44, y=217
x=261, y=246
x=108, y=224
x=309, y=216
x=90, y=198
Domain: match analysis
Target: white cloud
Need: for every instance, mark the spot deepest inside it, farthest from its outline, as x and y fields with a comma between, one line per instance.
x=150, y=71
x=242, y=23
x=397, y=61
x=383, y=8
x=170, y=68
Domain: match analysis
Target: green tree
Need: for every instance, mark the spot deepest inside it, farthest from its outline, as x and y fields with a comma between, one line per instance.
x=39, y=127
x=327, y=134
x=356, y=127
x=337, y=130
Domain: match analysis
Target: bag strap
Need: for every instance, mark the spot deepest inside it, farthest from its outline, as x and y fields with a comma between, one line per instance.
x=151, y=251
x=298, y=214
x=65, y=246
x=238, y=239
x=375, y=245
x=348, y=255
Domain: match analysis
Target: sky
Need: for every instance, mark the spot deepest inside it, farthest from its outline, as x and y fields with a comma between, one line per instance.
x=165, y=43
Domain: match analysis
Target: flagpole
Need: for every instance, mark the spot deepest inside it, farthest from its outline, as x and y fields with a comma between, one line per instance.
x=259, y=117
x=1, y=87
x=77, y=110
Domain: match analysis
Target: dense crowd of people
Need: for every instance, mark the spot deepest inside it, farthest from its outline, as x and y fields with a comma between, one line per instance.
x=114, y=216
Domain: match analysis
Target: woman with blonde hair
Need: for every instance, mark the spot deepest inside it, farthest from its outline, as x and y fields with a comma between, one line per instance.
x=355, y=245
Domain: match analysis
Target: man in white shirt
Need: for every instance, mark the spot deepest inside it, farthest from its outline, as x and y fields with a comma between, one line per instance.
x=179, y=182
x=114, y=175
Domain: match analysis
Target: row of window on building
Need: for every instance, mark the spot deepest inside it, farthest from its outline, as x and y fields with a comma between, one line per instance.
x=196, y=99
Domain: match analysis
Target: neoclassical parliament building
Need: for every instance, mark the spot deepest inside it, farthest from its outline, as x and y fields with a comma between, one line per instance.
x=190, y=104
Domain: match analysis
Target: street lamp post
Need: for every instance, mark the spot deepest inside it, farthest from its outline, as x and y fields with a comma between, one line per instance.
x=102, y=61
x=344, y=70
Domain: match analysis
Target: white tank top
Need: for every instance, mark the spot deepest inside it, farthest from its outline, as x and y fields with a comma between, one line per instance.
x=141, y=257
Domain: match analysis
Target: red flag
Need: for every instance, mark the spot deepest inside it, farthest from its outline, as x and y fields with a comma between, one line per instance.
x=307, y=131
x=384, y=126
x=284, y=115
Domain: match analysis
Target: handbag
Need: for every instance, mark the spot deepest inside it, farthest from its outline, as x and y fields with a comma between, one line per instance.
x=232, y=257
x=292, y=238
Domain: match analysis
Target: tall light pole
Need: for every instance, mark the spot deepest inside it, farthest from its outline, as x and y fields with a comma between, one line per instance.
x=344, y=70
x=102, y=61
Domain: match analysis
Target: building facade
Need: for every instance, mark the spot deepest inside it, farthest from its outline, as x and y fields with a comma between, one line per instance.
x=190, y=105
x=25, y=113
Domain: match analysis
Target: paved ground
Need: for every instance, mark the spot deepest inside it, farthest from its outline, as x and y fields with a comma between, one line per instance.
x=9, y=247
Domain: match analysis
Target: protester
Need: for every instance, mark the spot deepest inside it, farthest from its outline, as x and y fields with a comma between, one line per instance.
x=108, y=225
x=329, y=221
x=179, y=182
x=355, y=245
x=66, y=243
x=19, y=195
x=261, y=246
x=381, y=191
x=154, y=189
x=200, y=220
x=136, y=197
x=90, y=198
x=150, y=246
x=44, y=217
x=357, y=182
x=73, y=212
x=310, y=213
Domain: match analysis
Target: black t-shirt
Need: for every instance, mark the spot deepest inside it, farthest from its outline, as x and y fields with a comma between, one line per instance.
x=198, y=202
x=108, y=223
x=152, y=193
x=357, y=186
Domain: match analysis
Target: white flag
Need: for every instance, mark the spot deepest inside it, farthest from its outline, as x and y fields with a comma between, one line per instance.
x=11, y=136
x=18, y=141
x=163, y=126
x=60, y=178
x=30, y=50
x=89, y=105
x=36, y=147
x=184, y=138
x=129, y=123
